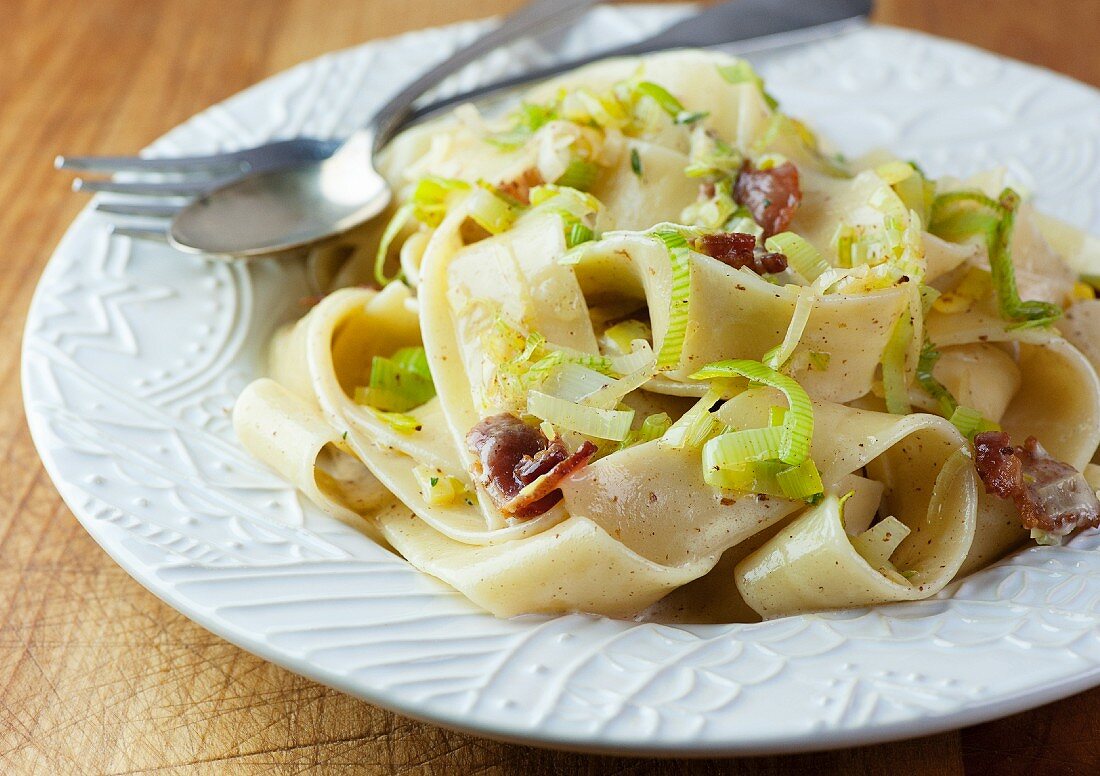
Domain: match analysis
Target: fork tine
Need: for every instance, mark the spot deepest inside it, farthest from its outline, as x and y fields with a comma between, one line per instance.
x=155, y=209
x=157, y=189
x=144, y=164
x=141, y=233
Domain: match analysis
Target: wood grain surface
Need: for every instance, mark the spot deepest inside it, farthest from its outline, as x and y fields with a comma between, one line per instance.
x=96, y=674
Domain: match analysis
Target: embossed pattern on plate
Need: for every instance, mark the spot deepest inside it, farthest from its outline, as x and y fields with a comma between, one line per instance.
x=133, y=356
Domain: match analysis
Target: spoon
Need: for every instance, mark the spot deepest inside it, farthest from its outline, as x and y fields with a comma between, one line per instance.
x=288, y=208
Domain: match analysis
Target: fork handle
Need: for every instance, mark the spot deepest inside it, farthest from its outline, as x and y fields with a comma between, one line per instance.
x=534, y=17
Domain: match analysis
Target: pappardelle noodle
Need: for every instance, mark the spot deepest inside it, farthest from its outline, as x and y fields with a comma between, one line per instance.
x=645, y=347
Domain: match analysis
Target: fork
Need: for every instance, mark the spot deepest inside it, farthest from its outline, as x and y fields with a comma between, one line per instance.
x=288, y=177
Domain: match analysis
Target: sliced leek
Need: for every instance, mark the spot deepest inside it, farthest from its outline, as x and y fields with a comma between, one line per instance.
x=669, y=104
x=801, y=255
x=490, y=211
x=895, y=376
x=398, y=222
x=742, y=72
x=933, y=387
x=798, y=421
x=431, y=196
x=590, y=421
x=958, y=215
x=398, y=384
x=679, y=302
x=622, y=336
x=781, y=353
x=579, y=174
x=697, y=425
x=970, y=422
x=525, y=120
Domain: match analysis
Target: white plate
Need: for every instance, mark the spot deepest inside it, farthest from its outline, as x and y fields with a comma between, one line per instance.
x=133, y=356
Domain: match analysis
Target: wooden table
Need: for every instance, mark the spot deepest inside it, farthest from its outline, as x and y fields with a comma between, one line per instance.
x=97, y=675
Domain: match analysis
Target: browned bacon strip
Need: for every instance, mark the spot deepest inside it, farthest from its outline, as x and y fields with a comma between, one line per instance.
x=1049, y=495
x=545, y=491
x=739, y=250
x=772, y=195
x=512, y=455
x=998, y=467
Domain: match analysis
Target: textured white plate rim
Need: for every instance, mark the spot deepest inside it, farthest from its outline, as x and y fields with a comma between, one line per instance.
x=760, y=746
x=993, y=708
x=992, y=705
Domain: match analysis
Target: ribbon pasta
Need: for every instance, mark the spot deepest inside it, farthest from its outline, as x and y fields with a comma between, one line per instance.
x=739, y=376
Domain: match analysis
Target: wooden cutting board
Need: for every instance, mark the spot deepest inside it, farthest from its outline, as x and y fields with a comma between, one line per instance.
x=96, y=674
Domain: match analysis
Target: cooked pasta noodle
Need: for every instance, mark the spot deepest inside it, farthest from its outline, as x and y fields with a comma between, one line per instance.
x=643, y=347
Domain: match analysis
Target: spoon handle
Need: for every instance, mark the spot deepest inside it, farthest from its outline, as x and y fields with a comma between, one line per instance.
x=534, y=17
x=761, y=23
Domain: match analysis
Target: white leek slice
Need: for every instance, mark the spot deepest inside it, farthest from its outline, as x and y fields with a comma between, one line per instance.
x=737, y=448
x=798, y=420
x=894, y=172
x=653, y=427
x=573, y=382
x=491, y=213
x=638, y=358
x=620, y=338
x=678, y=305
x=590, y=421
x=801, y=255
x=970, y=422
x=895, y=378
x=611, y=394
x=781, y=353
x=437, y=487
x=697, y=425
x=579, y=174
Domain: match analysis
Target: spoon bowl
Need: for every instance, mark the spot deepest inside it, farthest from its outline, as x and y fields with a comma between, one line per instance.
x=285, y=208
x=282, y=209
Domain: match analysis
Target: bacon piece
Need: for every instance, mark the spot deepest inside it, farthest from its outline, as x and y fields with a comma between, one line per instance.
x=771, y=195
x=1049, y=495
x=1000, y=470
x=512, y=455
x=739, y=250
x=1059, y=500
x=545, y=491
x=520, y=188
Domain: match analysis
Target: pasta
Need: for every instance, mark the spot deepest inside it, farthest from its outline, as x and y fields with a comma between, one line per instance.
x=644, y=347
